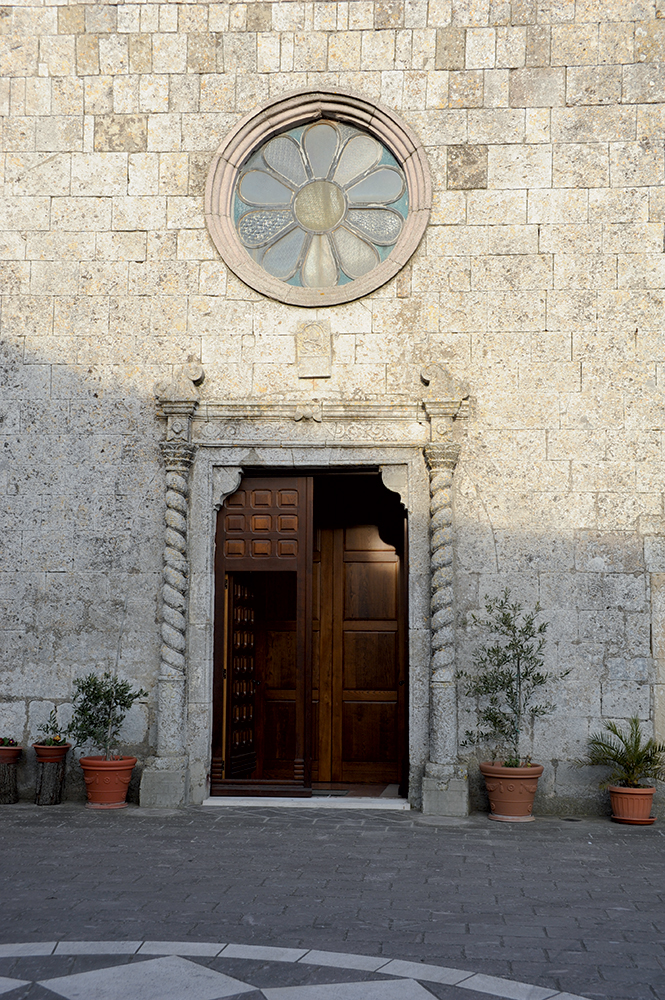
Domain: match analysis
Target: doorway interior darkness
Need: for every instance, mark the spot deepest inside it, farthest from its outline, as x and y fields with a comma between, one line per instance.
x=310, y=680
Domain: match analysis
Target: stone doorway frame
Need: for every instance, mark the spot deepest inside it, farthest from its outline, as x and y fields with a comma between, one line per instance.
x=206, y=448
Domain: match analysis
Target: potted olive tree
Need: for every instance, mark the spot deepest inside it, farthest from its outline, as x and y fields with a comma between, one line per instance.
x=635, y=763
x=507, y=676
x=100, y=707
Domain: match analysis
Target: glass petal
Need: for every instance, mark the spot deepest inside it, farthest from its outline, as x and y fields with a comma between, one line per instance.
x=379, y=188
x=258, y=228
x=319, y=269
x=359, y=154
x=259, y=188
x=355, y=256
x=283, y=257
x=283, y=155
x=380, y=225
x=320, y=142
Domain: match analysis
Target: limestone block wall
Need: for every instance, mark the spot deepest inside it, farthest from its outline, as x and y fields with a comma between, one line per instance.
x=539, y=285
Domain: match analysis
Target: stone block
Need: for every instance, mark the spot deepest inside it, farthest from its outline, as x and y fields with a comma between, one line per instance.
x=445, y=797
x=480, y=49
x=593, y=85
x=99, y=174
x=598, y=124
x=496, y=208
x=590, y=271
x=574, y=45
x=619, y=205
x=510, y=47
x=643, y=83
x=649, y=42
x=465, y=89
x=537, y=88
x=519, y=167
x=161, y=789
x=557, y=206
x=623, y=699
x=538, y=45
x=118, y=133
x=580, y=165
x=467, y=167
x=58, y=133
x=496, y=126
x=450, y=48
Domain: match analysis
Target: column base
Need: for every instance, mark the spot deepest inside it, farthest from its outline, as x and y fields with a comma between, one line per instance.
x=163, y=788
x=445, y=791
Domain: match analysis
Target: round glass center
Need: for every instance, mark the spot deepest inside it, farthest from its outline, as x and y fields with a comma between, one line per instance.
x=319, y=206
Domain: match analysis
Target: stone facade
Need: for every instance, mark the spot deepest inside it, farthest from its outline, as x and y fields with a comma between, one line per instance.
x=536, y=294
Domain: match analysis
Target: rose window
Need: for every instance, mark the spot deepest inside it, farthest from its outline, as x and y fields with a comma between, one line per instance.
x=321, y=205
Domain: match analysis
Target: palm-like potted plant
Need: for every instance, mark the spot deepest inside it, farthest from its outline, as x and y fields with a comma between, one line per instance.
x=636, y=762
x=508, y=674
x=100, y=707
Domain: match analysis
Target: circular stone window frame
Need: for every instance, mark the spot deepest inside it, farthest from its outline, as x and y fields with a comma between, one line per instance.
x=290, y=111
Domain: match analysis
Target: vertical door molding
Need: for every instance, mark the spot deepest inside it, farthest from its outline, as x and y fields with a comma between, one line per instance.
x=165, y=777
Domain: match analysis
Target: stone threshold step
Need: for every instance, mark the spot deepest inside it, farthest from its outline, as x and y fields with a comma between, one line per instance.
x=316, y=802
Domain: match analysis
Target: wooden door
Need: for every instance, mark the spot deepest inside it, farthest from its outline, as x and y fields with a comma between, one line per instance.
x=262, y=682
x=358, y=662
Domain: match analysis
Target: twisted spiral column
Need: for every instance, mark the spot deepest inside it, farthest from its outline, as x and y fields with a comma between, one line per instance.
x=178, y=457
x=444, y=784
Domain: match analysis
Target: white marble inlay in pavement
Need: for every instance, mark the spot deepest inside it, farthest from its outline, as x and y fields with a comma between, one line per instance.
x=201, y=949
x=6, y=985
x=168, y=978
x=341, y=960
x=505, y=988
x=27, y=949
x=97, y=948
x=391, y=989
x=263, y=954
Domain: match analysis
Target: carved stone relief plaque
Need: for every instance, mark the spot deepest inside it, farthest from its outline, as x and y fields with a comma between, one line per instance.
x=314, y=350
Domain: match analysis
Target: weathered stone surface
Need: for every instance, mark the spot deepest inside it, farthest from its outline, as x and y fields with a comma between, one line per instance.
x=538, y=284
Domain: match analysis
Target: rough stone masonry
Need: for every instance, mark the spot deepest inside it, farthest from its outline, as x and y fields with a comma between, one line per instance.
x=536, y=293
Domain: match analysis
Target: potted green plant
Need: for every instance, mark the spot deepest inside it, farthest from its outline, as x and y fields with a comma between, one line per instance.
x=51, y=750
x=635, y=763
x=100, y=706
x=10, y=751
x=52, y=745
x=507, y=676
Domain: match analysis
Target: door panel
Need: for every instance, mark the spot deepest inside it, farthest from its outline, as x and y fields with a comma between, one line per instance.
x=360, y=697
x=241, y=758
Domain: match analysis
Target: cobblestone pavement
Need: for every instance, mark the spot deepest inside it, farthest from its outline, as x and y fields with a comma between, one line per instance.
x=570, y=907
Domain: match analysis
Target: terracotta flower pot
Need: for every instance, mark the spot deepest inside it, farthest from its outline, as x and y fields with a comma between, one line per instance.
x=9, y=755
x=511, y=791
x=51, y=754
x=107, y=781
x=632, y=805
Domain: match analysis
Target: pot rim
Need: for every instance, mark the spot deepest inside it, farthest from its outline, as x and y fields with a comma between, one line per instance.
x=52, y=746
x=100, y=761
x=625, y=788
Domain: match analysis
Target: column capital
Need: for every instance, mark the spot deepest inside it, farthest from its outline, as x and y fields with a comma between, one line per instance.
x=441, y=457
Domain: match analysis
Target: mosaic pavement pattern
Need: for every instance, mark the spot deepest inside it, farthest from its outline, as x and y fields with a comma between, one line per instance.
x=192, y=970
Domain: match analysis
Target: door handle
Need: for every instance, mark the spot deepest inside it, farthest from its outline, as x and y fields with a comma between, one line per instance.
x=401, y=683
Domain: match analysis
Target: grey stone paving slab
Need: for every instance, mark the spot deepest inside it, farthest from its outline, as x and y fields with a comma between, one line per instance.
x=200, y=948
x=343, y=960
x=503, y=988
x=7, y=985
x=430, y=973
x=168, y=978
x=260, y=952
x=397, y=989
x=570, y=907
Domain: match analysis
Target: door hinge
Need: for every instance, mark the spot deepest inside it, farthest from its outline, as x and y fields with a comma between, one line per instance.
x=224, y=678
x=226, y=583
x=223, y=765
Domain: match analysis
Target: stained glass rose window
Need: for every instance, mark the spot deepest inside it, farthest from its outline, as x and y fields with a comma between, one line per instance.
x=321, y=205
x=318, y=197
